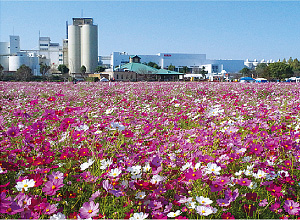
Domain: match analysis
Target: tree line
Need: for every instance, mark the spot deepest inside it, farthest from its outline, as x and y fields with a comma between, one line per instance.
x=274, y=71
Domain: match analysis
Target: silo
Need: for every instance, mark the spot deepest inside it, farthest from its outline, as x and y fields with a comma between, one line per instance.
x=89, y=47
x=16, y=61
x=74, y=48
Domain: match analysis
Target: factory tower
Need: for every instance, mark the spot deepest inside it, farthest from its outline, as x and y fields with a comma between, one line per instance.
x=82, y=45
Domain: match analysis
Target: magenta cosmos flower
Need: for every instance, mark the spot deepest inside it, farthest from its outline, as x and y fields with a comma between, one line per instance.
x=89, y=209
x=13, y=132
x=51, y=187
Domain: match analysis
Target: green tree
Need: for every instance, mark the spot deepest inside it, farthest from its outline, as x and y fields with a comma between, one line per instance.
x=185, y=69
x=290, y=61
x=295, y=64
x=280, y=70
x=171, y=67
x=83, y=69
x=261, y=71
x=63, y=68
x=44, y=68
x=99, y=69
x=1, y=72
x=24, y=73
x=203, y=72
x=154, y=65
x=245, y=71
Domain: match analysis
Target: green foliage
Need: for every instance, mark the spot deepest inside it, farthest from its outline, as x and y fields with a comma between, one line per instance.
x=92, y=79
x=44, y=68
x=185, y=69
x=99, y=69
x=280, y=70
x=171, y=67
x=1, y=72
x=245, y=71
x=24, y=73
x=154, y=65
x=203, y=72
x=83, y=69
x=262, y=71
x=63, y=68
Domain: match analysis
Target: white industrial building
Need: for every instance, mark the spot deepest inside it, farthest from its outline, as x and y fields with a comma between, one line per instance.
x=252, y=64
x=82, y=45
x=51, y=51
x=193, y=61
x=11, y=57
x=8, y=49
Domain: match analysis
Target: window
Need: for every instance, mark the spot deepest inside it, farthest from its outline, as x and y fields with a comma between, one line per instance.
x=60, y=59
x=117, y=76
x=44, y=45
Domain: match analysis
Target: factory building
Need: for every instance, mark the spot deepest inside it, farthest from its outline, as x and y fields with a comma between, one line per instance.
x=194, y=62
x=50, y=51
x=8, y=49
x=82, y=45
x=12, y=57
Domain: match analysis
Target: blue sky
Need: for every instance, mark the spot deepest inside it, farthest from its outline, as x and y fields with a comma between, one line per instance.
x=219, y=29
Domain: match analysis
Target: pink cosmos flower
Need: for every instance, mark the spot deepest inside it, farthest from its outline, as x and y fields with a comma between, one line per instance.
x=89, y=210
x=50, y=209
x=128, y=133
x=244, y=182
x=263, y=202
x=51, y=99
x=215, y=186
x=291, y=207
x=13, y=132
x=51, y=187
x=56, y=175
x=223, y=202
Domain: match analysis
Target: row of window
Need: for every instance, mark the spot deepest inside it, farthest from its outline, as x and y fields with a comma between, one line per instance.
x=131, y=77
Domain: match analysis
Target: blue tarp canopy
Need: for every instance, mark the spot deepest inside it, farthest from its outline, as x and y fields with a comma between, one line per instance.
x=247, y=79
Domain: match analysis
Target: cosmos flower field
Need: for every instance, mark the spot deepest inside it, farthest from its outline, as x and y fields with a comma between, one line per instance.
x=156, y=150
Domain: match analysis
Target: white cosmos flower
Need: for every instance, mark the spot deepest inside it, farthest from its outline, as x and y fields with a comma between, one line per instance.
x=213, y=168
x=25, y=184
x=203, y=200
x=252, y=185
x=140, y=195
x=115, y=172
x=108, y=111
x=117, y=126
x=197, y=165
x=105, y=163
x=138, y=176
x=190, y=205
x=260, y=174
x=177, y=105
x=174, y=214
x=156, y=179
x=58, y=216
x=186, y=166
x=203, y=210
x=134, y=170
x=86, y=165
x=248, y=172
x=139, y=216
x=147, y=167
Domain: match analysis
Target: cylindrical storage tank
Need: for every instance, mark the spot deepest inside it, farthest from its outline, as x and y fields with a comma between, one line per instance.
x=16, y=61
x=74, y=48
x=89, y=47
